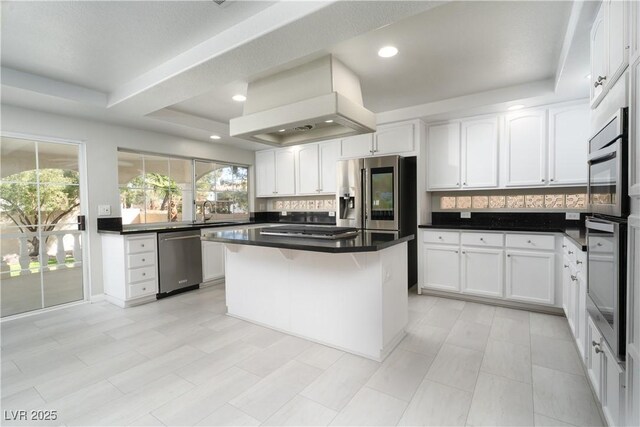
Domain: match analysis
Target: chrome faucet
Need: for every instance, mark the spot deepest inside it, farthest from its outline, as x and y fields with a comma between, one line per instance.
x=204, y=210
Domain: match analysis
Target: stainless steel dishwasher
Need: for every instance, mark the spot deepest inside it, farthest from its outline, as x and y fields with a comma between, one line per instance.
x=180, y=261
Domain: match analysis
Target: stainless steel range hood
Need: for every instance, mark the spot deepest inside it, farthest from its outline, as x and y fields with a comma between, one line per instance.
x=312, y=102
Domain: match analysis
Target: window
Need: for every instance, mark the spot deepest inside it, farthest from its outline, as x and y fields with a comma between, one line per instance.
x=221, y=191
x=160, y=189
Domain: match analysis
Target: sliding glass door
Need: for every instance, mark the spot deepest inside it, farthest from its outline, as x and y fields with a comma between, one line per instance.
x=41, y=245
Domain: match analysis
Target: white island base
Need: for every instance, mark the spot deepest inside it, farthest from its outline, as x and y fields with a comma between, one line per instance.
x=356, y=301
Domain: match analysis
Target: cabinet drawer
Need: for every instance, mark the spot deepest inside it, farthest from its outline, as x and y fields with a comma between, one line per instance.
x=140, y=274
x=600, y=245
x=141, y=260
x=143, y=288
x=482, y=239
x=147, y=244
x=447, y=237
x=531, y=241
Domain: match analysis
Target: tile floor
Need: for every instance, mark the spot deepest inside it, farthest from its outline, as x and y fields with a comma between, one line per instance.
x=181, y=361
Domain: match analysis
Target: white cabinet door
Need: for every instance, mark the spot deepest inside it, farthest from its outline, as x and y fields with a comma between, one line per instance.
x=526, y=137
x=307, y=169
x=482, y=272
x=530, y=276
x=443, y=156
x=581, y=314
x=612, y=393
x=285, y=173
x=480, y=153
x=616, y=15
x=598, y=60
x=568, y=144
x=357, y=146
x=441, y=267
x=566, y=287
x=212, y=261
x=395, y=139
x=594, y=360
x=265, y=173
x=329, y=152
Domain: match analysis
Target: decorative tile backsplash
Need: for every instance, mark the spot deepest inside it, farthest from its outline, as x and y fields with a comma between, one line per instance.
x=516, y=201
x=299, y=204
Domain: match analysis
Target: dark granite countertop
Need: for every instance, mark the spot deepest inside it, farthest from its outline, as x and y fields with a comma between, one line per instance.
x=176, y=227
x=575, y=234
x=365, y=241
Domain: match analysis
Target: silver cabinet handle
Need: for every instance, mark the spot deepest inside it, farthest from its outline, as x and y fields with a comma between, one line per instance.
x=463, y=252
x=570, y=252
x=529, y=241
x=600, y=81
x=144, y=289
x=143, y=260
x=599, y=350
x=181, y=238
x=564, y=246
x=594, y=343
x=144, y=274
x=566, y=266
x=551, y=179
x=440, y=237
x=457, y=252
x=464, y=183
x=542, y=180
x=598, y=244
x=578, y=262
x=574, y=278
x=457, y=183
x=508, y=256
x=142, y=245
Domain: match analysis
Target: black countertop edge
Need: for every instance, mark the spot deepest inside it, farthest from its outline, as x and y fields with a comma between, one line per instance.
x=313, y=245
x=576, y=234
x=171, y=228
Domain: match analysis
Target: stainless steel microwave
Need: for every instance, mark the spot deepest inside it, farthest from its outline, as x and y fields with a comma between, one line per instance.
x=608, y=168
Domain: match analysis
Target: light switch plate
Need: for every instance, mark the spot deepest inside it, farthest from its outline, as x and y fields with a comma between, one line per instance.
x=104, y=210
x=465, y=214
x=284, y=213
x=573, y=216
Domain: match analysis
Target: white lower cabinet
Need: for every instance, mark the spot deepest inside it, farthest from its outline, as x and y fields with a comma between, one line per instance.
x=594, y=361
x=530, y=276
x=482, y=271
x=442, y=267
x=212, y=261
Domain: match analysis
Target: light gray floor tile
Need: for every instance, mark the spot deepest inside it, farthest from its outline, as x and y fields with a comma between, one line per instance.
x=421, y=303
x=456, y=366
x=441, y=317
x=202, y=400
x=506, y=329
x=453, y=304
x=548, y=325
x=469, y=335
x=437, y=404
x=555, y=354
x=204, y=368
x=41, y=363
x=228, y=415
x=137, y=327
x=414, y=318
x=9, y=369
x=424, y=338
x=513, y=314
x=301, y=411
x=22, y=400
x=262, y=337
x=128, y=408
x=146, y=421
x=565, y=397
x=544, y=421
x=273, y=357
x=401, y=373
x=268, y=395
x=146, y=372
x=341, y=381
x=478, y=313
x=320, y=356
x=371, y=408
x=508, y=360
x=498, y=401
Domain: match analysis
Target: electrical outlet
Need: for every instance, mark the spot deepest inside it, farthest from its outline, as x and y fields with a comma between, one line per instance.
x=283, y=213
x=465, y=214
x=572, y=216
x=104, y=210
x=332, y=213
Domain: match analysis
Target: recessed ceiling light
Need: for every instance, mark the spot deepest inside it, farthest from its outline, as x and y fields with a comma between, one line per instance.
x=281, y=130
x=388, y=51
x=214, y=137
x=515, y=107
x=328, y=121
x=239, y=98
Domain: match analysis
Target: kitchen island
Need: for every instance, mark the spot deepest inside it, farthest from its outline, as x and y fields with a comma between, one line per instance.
x=348, y=293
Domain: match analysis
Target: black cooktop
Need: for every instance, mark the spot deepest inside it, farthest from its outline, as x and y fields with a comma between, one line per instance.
x=310, y=231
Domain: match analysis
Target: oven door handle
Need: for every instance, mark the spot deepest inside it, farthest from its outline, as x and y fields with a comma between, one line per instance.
x=598, y=224
x=599, y=159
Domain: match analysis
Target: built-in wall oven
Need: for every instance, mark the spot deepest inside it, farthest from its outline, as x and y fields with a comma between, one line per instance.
x=607, y=231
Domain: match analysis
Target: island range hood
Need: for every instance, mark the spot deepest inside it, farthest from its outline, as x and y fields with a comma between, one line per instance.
x=316, y=101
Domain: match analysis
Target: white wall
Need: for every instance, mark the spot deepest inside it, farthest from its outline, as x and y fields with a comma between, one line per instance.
x=101, y=142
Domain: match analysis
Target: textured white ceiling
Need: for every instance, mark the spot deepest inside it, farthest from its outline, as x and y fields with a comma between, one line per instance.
x=458, y=49
x=103, y=44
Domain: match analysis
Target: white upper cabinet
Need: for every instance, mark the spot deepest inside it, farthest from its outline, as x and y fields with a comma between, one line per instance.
x=443, y=156
x=265, y=173
x=308, y=170
x=357, y=146
x=598, y=58
x=328, y=155
x=480, y=153
x=316, y=168
x=568, y=144
x=397, y=138
x=526, y=140
x=285, y=173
